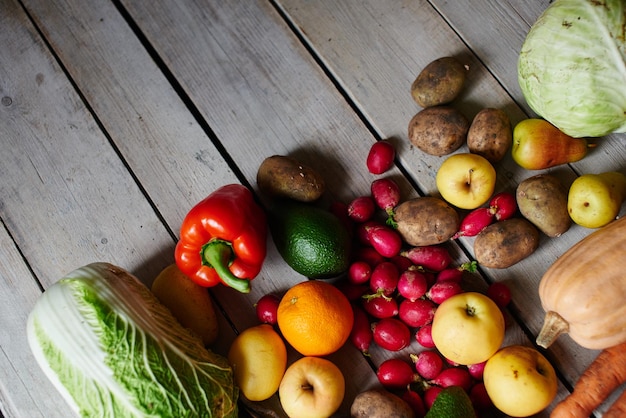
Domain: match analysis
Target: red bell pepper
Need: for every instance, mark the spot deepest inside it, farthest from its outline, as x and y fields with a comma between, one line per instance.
x=223, y=239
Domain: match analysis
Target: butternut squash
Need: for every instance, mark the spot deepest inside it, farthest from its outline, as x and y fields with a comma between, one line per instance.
x=584, y=292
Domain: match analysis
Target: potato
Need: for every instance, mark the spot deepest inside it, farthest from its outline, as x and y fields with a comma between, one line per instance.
x=426, y=221
x=188, y=302
x=490, y=134
x=504, y=243
x=440, y=82
x=542, y=199
x=439, y=130
x=282, y=176
x=380, y=403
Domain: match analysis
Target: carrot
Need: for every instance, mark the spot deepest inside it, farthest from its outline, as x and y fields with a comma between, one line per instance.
x=605, y=374
x=618, y=409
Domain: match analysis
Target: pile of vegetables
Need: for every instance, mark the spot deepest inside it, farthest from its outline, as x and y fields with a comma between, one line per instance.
x=572, y=68
x=113, y=350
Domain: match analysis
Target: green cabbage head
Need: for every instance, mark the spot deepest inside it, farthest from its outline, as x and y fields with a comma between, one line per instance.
x=112, y=350
x=571, y=67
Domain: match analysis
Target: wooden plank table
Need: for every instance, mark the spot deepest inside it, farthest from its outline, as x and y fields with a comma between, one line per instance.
x=117, y=116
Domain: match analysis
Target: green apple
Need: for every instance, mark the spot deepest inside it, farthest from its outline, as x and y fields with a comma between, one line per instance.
x=520, y=381
x=311, y=387
x=466, y=180
x=468, y=328
x=258, y=357
x=594, y=200
x=537, y=144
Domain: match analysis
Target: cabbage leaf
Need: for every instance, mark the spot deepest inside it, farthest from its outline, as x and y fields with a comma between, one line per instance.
x=572, y=70
x=112, y=350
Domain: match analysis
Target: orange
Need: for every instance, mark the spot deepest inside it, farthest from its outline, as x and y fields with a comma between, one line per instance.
x=315, y=318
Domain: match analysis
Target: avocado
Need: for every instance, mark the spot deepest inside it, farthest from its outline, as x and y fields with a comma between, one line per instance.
x=311, y=240
x=452, y=402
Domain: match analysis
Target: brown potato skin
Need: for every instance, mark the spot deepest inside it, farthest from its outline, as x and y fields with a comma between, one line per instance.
x=490, y=134
x=426, y=221
x=440, y=82
x=542, y=199
x=380, y=403
x=504, y=243
x=282, y=176
x=438, y=130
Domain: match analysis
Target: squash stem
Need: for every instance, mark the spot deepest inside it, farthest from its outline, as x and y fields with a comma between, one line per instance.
x=553, y=326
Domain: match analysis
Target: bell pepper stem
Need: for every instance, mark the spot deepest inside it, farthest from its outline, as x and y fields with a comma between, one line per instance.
x=218, y=254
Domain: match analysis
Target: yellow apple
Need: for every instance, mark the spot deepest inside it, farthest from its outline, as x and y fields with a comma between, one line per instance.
x=468, y=328
x=258, y=357
x=520, y=381
x=466, y=180
x=311, y=387
x=594, y=200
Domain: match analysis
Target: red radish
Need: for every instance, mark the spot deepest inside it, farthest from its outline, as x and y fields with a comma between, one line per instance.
x=361, y=231
x=386, y=194
x=412, y=284
x=500, y=294
x=424, y=336
x=474, y=222
x=361, y=209
x=354, y=292
x=361, y=335
x=359, y=272
x=430, y=257
x=395, y=373
x=415, y=401
x=428, y=364
x=456, y=273
x=476, y=370
x=441, y=291
x=480, y=398
x=386, y=240
x=453, y=376
x=430, y=395
x=391, y=334
x=379, y=306
x=267, y=308
x=401, y=262
x=384, y=278
x=416, y=313
x=380, y=157
x=369, y=255
x=503, y=205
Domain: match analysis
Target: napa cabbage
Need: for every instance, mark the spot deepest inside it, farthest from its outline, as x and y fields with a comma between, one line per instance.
x=112, y=350
x=571, y=67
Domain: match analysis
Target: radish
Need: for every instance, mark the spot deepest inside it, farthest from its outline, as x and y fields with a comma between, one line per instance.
x=361, y=231
x=453, y=376
x=415, y=401
x=456, y=273
x=380, y=157
x=430, y=257
x=379, y=306
x=416, y=313
x=359, y=272
x=428, y=364
x=340, y=210
x=503, y=205
x=386, y=195
x=354, y=292
x=412, y=284
x=267, y=308
x=386, y=240
x=424, y=336
x=361, y=209
x=474, y=222
x=369, y=255
x=442, y=290
x=395, y=373
x=476, y=370
x=500, y=294
x=384, y=278
x=361, y=335
x=401, y=262
x=391, y=334
x=430, y=395
x=480, y=398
